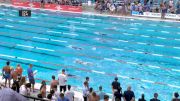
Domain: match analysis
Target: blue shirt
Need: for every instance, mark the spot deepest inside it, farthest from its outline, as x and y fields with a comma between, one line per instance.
x=101, y=95
x=64, y=99
x=29, y=71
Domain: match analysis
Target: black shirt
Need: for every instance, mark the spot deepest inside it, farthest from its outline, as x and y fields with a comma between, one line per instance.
x=128, y=95
x=154, y=99
x=141, y=100
x=116, y=85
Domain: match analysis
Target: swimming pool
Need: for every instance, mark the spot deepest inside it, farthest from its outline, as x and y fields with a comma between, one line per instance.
x=143, y=54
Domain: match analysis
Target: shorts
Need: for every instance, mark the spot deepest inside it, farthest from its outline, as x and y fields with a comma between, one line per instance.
x=7, y=76
x=32, y=81
x=63, y=88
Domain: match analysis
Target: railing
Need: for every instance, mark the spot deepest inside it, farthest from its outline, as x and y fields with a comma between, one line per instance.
x=35, y=98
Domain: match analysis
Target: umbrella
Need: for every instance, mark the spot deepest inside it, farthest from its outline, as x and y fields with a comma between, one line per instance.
x=7, y=94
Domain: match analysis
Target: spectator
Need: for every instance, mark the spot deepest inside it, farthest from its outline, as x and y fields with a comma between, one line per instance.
x=155, y=97
x=56, y=93
x=163, y=10
x=93, y=97
x=39, y=96
x=90, y=93
x=69, y=94
x=178, y=7
x=49, y=97
x=129, y=95
x=62, y=81
x=15, y=80
x=101, y=93
x=14, y=87
x=171, y=3
x=62, y=98
x=87, y=80
x=19, y=70
x=31, y=76
x=43, y=89
x=118, y=95
x=54, y=98
x=25, y=89
x=22, y=81
x=142, y=98
x=115, y=85
x=106, y=98
x=42, y=3
x=6, y=71
x=85, y=91
x=176, y=95
x=53, y=82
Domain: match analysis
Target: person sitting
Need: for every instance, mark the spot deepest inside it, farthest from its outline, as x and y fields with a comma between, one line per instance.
x=25, y=89
x=22, y=81
x=14, y=87
x=142, y=98
x=155, y=97
x=43, y=89
x=56, y=93
x=129, y=95
x=54, y=98
x=6, y=71
x=62, y=98
x=39, y=95
x=49, y=97
x=69, y=94
x=53, y=83
x=176, y=95
x=178, y=7
x=106, y=98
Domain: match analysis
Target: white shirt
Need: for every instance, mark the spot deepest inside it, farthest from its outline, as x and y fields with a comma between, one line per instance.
x=56, y=95
x=69, y=95
x=24, y=91
x=62, y=79
x=85, y=91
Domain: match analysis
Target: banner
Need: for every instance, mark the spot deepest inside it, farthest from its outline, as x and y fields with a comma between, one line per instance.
x=48, y=6
x=155, y=15
x=18, y=3
x=71, y=8
x=36, y=5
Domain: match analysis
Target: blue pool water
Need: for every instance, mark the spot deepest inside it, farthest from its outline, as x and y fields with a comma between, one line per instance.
x=143, y=54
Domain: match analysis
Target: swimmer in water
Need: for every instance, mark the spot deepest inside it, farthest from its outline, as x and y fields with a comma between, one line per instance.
x=74, y=47
x=83, y=63
x=77, y=48
x=112, y=28
x=99, y=33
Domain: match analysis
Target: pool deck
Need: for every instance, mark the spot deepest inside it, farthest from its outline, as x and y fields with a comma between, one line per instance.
x=78, y=95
